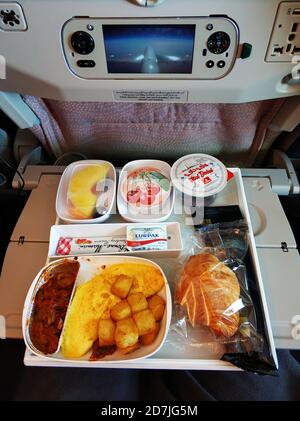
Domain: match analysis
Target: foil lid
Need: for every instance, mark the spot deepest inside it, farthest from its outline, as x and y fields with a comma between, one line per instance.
x=199, y=175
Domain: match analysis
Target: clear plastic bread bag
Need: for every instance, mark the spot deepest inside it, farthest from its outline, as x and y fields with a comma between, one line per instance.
x=217, y=301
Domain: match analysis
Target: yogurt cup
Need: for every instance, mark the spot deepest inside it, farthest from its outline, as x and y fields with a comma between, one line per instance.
x=199, y=177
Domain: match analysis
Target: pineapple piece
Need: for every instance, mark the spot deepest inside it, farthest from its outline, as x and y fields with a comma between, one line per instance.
x=82, y=194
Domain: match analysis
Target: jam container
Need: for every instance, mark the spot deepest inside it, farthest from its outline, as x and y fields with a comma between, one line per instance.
x=199, y=177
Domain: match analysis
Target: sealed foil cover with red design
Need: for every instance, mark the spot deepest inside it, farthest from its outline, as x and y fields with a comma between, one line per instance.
x=199, y=175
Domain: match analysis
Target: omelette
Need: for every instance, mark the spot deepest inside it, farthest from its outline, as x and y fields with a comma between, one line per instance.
x=93, y=300
x=146, y=279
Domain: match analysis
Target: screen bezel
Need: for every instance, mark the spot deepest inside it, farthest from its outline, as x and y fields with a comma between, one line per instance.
x=199, y=70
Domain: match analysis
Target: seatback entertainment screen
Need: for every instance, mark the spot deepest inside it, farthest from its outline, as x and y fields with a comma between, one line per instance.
x=149, y=48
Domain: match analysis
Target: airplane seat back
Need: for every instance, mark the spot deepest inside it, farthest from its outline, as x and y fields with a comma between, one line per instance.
x=125, y=131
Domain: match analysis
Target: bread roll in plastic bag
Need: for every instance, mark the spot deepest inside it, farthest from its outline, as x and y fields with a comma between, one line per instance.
x=217, y=299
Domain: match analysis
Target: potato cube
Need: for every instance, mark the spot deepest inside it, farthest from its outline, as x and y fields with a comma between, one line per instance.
x=129, y=349
x=157, y=306
x=150, y=337
x=145, y=321
x=137, y=302
x=120, y=311
x=111, y=301
x=106, y=332
x=121, y=286
x=126, y=333
x=106, y=314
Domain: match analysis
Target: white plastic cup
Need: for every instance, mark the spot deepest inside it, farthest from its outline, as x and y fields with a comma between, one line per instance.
x=157, y=166
x=199, y=177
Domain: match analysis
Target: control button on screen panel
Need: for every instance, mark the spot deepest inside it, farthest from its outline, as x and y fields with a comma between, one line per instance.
x=86, y=63
x=218, y=42
x=210, y=64
x=82, y=42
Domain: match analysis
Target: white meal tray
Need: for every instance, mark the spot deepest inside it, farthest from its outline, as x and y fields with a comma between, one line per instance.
x=170, y=356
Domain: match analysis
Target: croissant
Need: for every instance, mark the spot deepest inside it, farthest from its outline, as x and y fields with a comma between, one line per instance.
x=207, y=288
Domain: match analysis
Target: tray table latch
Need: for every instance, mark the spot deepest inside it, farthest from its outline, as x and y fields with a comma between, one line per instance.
x=21, y=240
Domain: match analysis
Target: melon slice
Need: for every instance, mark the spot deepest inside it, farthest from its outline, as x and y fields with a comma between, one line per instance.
x=82, y=193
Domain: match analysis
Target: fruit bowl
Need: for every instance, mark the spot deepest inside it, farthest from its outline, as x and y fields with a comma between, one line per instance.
x=86, y=192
